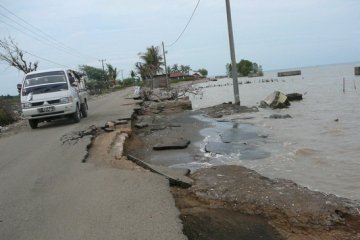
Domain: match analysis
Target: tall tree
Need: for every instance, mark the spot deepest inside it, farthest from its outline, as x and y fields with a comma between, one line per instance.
x=244, y=67
x=112, y=73
x=93, y=73
x=168, y=70
x=14, y=56
x=229, y=69
x=151, y=62
x=203, y=72
x=175, y=68
x=185, y=69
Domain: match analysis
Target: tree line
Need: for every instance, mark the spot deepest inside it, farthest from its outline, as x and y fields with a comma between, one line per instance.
x=151, y=63
x=245, y=68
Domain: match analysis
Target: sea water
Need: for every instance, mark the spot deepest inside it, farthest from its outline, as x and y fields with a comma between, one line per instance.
x=319, y=147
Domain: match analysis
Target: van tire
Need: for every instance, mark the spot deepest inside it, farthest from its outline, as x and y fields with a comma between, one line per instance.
x=33, y=123
x=83, y=109
x=76, y=115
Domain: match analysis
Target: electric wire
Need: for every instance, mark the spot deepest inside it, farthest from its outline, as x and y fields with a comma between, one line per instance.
x=34, y=55
x=44, y=34
x=36, y=38
x=187, y=24
x=45, y=59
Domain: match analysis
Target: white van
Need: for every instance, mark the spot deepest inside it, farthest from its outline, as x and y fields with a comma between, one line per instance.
x=51, y=94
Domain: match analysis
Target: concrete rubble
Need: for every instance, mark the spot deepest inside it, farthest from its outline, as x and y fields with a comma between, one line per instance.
x=275, y=100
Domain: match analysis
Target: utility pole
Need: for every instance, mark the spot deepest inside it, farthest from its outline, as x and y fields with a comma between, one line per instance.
x=122, y=74
x=232, y=53
x=102, y=63
x=166, y=74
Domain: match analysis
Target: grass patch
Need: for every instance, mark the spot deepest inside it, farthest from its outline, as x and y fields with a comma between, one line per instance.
x=9, y=105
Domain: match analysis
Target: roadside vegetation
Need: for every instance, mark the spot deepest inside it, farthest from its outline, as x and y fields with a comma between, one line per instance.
x=103, y=81
x=9, y=109
x=100, y=80
x=151, y=64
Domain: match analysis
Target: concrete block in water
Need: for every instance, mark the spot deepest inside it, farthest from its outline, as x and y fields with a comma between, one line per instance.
x=275, y=100
x=177, y=144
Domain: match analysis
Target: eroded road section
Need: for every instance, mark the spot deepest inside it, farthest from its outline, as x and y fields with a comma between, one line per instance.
x=46, y=192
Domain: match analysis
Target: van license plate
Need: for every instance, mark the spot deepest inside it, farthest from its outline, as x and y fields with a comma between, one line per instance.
x=46, y=109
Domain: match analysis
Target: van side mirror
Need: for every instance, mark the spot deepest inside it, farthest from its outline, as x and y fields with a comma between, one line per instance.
x=18, y=86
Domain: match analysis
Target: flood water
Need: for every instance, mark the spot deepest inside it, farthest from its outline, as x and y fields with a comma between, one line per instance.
x=319, y=147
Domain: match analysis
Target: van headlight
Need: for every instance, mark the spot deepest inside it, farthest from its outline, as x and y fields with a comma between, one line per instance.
x=66, y=100
x=26, y=105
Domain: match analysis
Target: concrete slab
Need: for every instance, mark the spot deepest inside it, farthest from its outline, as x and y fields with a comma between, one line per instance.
x=176, y=177
x=176, y=144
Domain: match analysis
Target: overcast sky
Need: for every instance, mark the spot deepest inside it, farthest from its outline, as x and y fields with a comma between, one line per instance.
x=277, y=34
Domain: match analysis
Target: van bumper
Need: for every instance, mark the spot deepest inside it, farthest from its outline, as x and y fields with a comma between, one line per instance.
x=49, y=111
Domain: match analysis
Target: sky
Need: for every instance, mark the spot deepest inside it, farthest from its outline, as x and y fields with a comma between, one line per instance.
x=276, y=34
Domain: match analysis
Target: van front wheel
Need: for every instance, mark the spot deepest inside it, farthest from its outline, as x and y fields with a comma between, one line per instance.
x=76, y=115
x=83, y=110
x=33, y=123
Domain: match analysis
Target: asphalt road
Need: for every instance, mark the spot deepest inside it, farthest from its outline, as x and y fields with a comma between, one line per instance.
x=46, y=192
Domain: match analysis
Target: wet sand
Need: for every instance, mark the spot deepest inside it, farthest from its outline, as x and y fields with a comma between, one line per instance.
x=233, y=202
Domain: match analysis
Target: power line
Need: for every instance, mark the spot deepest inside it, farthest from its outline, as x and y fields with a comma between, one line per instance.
x=193, y=13
x=44, y=35
x=45, y=59
x=42, y=58
x=36, y=38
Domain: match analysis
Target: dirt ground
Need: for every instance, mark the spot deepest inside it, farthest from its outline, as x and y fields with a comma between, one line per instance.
x=233, y=202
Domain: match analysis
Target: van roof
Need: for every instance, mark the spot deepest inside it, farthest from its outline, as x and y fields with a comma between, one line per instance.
x=47, y=70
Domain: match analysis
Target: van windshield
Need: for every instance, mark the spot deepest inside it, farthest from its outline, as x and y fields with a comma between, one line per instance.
x=45, y=83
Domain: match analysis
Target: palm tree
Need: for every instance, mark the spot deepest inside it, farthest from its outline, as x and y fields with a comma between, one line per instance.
x=151, y=62
x=185, y=69
x=132, y=74
x=112, y=73
x=175, y=67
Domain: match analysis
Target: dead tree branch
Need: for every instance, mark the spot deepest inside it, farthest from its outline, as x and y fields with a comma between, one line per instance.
x=14, y=56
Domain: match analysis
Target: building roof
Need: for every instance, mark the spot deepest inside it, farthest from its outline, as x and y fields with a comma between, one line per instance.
x=176, y=74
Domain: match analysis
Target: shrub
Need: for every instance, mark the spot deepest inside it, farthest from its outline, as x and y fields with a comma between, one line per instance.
x=5, y=117
x=7, y=107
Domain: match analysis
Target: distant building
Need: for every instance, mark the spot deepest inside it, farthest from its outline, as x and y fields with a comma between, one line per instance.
x=289, y=73
x=177, y=75
x=197, y=75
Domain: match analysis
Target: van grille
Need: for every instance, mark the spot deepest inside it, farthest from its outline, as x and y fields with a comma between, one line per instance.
x=34, y=104
x=54, y=101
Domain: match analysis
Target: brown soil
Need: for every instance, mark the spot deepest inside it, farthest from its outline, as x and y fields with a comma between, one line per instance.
x=295, y=211
x=207, y=220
